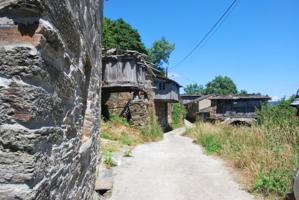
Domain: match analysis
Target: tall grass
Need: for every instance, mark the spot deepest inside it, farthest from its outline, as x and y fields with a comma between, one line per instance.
x=153, y=130
x=267, y=153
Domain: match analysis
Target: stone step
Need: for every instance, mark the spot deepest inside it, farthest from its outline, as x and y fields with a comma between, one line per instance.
x=104, y=184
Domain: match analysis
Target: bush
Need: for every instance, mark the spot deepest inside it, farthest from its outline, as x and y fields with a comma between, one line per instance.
x=274, y=182
x=178, y=115
x=279, y=122
x=153, y=131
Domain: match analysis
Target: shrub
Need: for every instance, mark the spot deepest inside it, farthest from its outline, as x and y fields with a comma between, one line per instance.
x=279, y=122
x=178, y=115
x=274, y=182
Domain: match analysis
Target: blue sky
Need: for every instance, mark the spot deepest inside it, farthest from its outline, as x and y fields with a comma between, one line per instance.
x=257, y=45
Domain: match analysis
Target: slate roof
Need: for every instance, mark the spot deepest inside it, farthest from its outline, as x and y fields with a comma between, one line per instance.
x=118, y=54
x=296, y=102
x=186, y=99
x=238, y=97
x=158, y=74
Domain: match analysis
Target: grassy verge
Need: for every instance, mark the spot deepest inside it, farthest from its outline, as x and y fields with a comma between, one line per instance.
x=268, y=159
x=118, y=133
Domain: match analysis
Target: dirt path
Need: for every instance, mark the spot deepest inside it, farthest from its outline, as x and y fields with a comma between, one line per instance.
x=174, y=169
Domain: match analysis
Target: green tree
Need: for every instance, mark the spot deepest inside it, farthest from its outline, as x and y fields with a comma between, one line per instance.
x=194, y=89
x=221, y=85
x=178, y=115
x=160, y=52
x=119, y=34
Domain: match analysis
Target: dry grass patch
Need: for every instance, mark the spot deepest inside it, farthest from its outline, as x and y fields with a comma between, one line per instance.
x=118, y=133
x=267, y=158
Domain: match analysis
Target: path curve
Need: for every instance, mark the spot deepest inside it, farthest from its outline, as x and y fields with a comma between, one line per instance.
x=174, y=169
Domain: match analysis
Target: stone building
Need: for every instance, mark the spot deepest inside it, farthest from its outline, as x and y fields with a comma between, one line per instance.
x=197, y=106
x=167, y=92
x=231, y=108
x=127, y=86
x=133, y=89
x=234, y=108
x=50, y=72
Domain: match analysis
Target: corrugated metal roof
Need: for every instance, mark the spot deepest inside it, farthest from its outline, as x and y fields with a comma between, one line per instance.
x=236, y=97
x=185, y=96
x=196, y=99
x=296, y=102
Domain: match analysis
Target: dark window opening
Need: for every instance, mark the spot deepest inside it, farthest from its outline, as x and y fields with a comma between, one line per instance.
x=161, y=86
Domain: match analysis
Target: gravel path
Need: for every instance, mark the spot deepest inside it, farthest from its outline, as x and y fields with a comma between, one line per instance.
x=174, y=169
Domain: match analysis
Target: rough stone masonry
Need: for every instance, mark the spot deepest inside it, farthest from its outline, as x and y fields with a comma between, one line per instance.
x=50, y=73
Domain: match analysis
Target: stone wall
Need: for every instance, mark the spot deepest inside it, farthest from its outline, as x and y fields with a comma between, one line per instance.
x=50, y=72
x=136, y=106
x=140, y=114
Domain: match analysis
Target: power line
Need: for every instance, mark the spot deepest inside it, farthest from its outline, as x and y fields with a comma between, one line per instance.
x=208, y=35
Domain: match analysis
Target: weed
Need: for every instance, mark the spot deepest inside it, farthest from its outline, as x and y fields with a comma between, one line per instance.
x=153, y=131
x=106, y=135
x=210, y=143
x=128, y=153
x=126, y=140
x=119, y=120
x=108, y=160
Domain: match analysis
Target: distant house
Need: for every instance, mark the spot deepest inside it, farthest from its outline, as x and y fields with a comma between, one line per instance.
x=126, y=90
x=231, y=108
x=197, y=106
x=167, y=92
x=234, y=109
x=296, y=103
